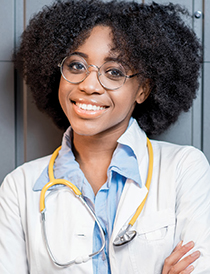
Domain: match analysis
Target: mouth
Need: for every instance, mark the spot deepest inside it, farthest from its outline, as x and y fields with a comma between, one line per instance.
x=88, y=110
x=89, y=107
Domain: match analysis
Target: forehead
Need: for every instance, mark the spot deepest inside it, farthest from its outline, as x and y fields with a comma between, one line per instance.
x=99, y=43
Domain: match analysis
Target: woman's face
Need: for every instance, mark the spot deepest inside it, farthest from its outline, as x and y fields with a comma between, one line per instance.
x=91, y=109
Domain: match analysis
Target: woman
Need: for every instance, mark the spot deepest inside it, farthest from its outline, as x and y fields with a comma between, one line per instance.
x=126, y=69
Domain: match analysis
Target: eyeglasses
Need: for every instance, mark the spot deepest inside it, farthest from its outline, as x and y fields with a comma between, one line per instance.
x=111, y=74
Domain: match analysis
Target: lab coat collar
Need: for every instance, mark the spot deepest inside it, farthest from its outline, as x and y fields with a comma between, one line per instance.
x=136, y=139
x=131, y=198
x=132, y=195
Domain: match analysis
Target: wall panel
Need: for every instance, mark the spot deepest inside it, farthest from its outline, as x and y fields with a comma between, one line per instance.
x=206, y=111
x=206, y=80
x=207, y=31
x=6, y=29
x=7, y=119
x=7, y=106
x=197, y=116
x=32, y=7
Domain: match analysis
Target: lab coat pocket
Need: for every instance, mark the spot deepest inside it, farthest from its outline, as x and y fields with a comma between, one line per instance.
x=154, y=241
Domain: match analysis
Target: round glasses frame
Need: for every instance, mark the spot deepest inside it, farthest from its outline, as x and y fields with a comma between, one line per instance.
x=98, y=72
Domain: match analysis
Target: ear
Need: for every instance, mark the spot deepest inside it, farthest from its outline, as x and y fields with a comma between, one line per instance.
x=143, y=92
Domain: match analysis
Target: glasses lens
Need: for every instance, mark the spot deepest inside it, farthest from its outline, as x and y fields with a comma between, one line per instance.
x=74, y=69
x=112, y=75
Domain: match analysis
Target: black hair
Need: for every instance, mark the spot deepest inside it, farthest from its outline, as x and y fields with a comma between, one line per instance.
x=153, y=39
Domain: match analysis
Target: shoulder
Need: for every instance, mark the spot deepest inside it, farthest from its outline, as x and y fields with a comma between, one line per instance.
x=26, y=174
x=188, y=164
x=35, y=167
x=180, y=153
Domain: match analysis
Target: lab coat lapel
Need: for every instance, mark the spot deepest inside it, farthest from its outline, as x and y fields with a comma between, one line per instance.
x=133, y=194
x=131, y=198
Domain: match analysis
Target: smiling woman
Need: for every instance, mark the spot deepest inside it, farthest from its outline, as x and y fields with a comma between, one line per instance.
x=114, y=106
x=123, y=69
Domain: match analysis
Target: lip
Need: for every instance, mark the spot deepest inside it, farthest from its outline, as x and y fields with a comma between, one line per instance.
x=88, y=109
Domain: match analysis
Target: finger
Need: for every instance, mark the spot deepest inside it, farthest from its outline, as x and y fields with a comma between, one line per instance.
x=185, y=263
x=177, y=254
x=178, y=246
x=188, y=270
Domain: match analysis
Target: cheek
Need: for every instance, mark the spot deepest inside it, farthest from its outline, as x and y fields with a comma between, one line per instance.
x=125, y=100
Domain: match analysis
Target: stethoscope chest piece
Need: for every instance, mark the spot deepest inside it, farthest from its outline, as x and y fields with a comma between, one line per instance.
x=124, y=236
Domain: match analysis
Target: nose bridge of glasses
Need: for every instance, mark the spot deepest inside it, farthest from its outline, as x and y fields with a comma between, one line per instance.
x=94, y=68
x=97, y=69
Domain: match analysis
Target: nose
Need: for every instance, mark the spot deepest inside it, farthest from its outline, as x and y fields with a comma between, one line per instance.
x=91, y=83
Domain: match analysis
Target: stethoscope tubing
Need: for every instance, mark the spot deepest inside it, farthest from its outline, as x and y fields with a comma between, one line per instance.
x=124, y=236
x=79, y=259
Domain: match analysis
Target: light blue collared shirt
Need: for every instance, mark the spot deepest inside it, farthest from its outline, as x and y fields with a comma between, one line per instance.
x=123, y=166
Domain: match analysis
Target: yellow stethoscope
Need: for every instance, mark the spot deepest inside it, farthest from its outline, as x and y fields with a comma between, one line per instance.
x=124, y=236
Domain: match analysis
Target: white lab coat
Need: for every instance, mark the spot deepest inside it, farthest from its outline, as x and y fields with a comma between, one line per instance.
x=177, y=208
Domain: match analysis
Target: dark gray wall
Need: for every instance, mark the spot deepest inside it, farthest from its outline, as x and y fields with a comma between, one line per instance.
x=206, y=80
x=26, y=134
x=7, y=102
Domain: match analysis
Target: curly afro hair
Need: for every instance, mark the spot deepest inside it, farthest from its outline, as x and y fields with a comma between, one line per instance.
x=153, y=39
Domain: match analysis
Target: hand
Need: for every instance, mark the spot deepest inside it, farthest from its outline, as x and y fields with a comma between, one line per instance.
x=173, y=264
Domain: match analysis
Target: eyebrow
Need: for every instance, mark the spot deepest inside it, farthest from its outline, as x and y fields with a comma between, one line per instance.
x=80, y=54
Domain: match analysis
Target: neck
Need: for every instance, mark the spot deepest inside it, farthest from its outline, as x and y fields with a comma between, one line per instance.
x=89, y=147
x=94, y=154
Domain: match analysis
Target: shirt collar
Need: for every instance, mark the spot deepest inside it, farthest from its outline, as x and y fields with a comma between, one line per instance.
x=125, y=161
x=135, y=138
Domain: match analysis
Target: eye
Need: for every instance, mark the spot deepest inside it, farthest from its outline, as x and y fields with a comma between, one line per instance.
x=76, y=67
x=114, y=73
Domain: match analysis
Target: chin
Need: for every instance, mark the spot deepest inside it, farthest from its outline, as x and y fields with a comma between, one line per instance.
x=83, y=131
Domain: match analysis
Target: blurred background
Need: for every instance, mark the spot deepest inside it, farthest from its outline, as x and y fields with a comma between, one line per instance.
x=26, y=134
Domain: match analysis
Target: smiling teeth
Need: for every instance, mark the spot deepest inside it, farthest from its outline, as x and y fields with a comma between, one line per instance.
x=89, y=107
